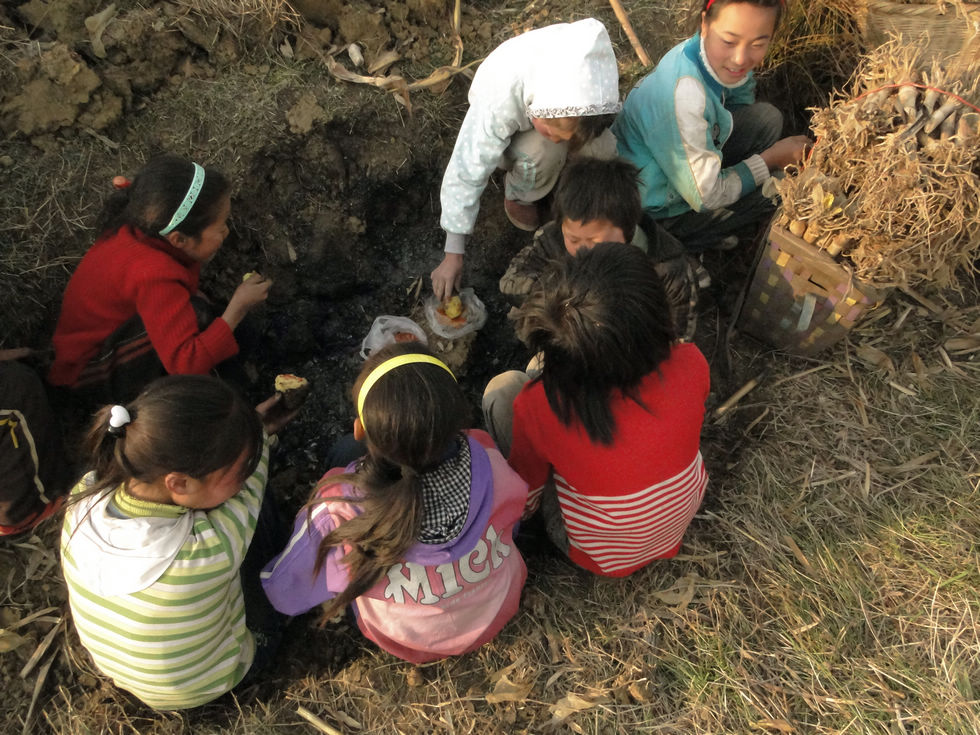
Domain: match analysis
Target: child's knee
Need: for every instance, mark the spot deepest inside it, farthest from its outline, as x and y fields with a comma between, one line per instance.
x=502, y=387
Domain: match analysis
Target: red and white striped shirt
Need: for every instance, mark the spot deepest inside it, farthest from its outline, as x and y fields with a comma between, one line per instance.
x=630, y=502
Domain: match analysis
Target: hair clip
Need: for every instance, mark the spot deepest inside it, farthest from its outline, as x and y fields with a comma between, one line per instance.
x=118, y=418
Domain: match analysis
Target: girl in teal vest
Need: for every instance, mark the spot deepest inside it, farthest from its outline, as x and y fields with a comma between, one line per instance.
x=692, y=126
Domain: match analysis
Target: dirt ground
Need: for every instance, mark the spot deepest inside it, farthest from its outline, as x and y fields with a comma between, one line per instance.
x=336, y=199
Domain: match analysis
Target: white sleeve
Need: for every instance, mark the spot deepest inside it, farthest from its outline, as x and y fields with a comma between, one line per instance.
x=712, y=188
x=483, y=137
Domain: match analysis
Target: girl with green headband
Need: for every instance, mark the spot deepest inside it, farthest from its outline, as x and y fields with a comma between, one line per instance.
x=417, y=535
x=132, y=310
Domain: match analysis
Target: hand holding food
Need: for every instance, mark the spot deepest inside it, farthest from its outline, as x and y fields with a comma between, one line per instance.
x=294, y=390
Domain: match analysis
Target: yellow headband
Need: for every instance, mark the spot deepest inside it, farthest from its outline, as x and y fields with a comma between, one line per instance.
x=389, y=365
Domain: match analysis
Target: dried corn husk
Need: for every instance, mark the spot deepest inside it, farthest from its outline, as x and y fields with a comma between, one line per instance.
x=892, y=185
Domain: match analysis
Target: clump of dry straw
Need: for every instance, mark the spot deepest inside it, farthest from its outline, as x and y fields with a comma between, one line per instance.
x=893, y=185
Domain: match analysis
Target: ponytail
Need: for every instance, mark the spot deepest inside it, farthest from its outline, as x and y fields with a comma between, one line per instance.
x=112, y=217
x=412, y=411
x=107, y=455
x=381, y=534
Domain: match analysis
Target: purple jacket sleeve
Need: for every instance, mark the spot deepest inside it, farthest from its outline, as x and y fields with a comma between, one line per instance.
x=289, y=581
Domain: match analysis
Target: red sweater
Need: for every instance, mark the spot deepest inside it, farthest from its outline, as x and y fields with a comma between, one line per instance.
x=126, y=274
x=628, y=503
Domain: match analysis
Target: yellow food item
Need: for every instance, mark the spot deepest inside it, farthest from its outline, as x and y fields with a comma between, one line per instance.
x=286, y=381
x=249, y=275
x=453, y=307
x=294, y=390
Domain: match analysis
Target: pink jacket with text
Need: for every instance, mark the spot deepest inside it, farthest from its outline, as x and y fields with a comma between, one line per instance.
x=444, y=599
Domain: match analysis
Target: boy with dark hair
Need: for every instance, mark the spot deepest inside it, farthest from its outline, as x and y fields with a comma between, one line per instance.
x=598, y=200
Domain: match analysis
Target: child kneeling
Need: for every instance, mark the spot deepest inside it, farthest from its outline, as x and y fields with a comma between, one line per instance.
x=607, y=435
x=132, y=310
x=417, y=535
x=155, y=539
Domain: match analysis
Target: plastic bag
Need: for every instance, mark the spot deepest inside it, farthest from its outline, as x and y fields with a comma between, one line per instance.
x=473, y=317
x=387, y=330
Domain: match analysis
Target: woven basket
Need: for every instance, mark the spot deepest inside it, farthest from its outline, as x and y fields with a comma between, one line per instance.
x=942, y=35
x=801, y=300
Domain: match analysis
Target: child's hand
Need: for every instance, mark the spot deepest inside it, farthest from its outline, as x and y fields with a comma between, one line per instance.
x=273, y=414
x=247, y=296
x=448, y=276
x=785, y=152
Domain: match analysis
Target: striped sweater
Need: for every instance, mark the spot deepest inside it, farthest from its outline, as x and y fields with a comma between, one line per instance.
x=631, y=502
x=155, y=591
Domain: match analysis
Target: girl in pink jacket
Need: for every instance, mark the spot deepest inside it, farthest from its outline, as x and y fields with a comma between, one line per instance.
x=416, y=535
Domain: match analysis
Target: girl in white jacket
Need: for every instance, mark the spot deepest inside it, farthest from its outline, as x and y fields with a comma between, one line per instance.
x=533, y=99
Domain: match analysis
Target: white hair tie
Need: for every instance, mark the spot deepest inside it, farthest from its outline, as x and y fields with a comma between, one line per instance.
x=118, y=418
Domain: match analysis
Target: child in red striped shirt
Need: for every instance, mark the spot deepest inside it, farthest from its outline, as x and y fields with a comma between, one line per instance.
x=607, y=435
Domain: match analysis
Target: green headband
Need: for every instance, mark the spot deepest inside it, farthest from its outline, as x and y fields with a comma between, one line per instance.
x=386, y=367
x=189, y=198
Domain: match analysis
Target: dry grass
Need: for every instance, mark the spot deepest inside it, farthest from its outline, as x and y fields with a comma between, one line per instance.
x=889, y=188
x=828, y=586
x=814, y=51
x=47, y=202
x=246, y=20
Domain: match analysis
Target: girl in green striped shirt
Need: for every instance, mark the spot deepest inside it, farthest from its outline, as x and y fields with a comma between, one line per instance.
x=155, y=536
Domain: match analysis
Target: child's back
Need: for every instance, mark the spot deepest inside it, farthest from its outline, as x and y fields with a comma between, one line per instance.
x=607, y=434
x=454, y=581
x=448, y=597
x=154, y=587
x=155, y=592
x=630, y=501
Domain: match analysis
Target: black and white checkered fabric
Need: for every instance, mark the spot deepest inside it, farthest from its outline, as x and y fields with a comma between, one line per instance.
x=446, y=497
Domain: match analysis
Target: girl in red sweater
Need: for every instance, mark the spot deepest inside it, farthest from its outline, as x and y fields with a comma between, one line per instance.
x=607, y=434
x=132, y=310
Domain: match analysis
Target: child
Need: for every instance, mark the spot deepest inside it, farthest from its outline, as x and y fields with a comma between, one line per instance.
x=693, y=128
x=607, y=436
x=156, y=534
x=32, y=462
x=597, y=201
x=417, y=535
x=534, y=98
x=128, y=314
